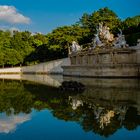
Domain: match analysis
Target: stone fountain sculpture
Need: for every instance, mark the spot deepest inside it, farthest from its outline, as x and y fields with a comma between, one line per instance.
x=106, y=56
x=96, y=41
x=103, y=38
x=120, y=41
x=104, y=33
x=74, y=47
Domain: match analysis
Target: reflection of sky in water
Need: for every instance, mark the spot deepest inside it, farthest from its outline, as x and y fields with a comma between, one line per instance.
x=9, y=123
x=43, y=126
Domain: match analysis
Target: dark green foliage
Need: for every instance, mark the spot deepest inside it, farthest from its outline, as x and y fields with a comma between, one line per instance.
x=13, y=98
x=132, y=38
x=131, y=25
x=131, y=29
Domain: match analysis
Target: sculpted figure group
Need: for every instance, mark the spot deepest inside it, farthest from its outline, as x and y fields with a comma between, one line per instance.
x=102, y=38
x=104, y=33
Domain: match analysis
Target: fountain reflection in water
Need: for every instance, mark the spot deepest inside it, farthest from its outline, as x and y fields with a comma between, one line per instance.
x=110, y=101
x=103, y=107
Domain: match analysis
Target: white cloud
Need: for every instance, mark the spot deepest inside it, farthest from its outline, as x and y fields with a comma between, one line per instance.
x=11, y=15
x=9, y=123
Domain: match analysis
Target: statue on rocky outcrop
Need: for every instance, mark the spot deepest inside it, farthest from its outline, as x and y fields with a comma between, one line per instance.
x=96, y=41
x=74, y=47
x=120, y=41
x=103, y=37
x=104, y=33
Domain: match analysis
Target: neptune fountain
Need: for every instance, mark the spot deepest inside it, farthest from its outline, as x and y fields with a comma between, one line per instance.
x=107, y=56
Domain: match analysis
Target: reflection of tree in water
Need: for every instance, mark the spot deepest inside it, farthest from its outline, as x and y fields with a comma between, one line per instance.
x=14, y=98
x=91, y=114
x=132, y=120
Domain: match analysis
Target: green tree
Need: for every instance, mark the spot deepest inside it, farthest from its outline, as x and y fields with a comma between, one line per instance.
x=12, y=57
x=104, y=15
x=22, y=43
x=131, y=25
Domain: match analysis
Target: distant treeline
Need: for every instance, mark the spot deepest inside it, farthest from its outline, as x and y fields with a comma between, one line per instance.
x=23, y=48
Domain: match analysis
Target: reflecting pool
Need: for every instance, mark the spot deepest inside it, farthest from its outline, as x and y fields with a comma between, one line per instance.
x=34, y=107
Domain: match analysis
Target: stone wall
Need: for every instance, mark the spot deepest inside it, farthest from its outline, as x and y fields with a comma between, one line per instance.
x=121, y=62
x=102, y=71
x=10, y=70
x=51, y=67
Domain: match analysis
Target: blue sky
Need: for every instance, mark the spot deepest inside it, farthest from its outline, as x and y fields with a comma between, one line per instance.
x=45, y=15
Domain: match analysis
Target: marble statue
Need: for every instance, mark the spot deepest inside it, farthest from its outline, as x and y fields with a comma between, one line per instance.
x=103, y=36
x=96, y=41
x=120, y=41
x=74, y=47
x=104, y=32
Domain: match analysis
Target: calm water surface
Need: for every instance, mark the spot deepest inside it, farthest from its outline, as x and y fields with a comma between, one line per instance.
x=39, y=110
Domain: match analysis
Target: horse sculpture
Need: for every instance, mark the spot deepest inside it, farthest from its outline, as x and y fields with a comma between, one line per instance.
x=96, y=41
x=120, y=41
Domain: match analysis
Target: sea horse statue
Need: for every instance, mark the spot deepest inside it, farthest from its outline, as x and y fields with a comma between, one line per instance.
x=96, y=41
x=120, y=41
